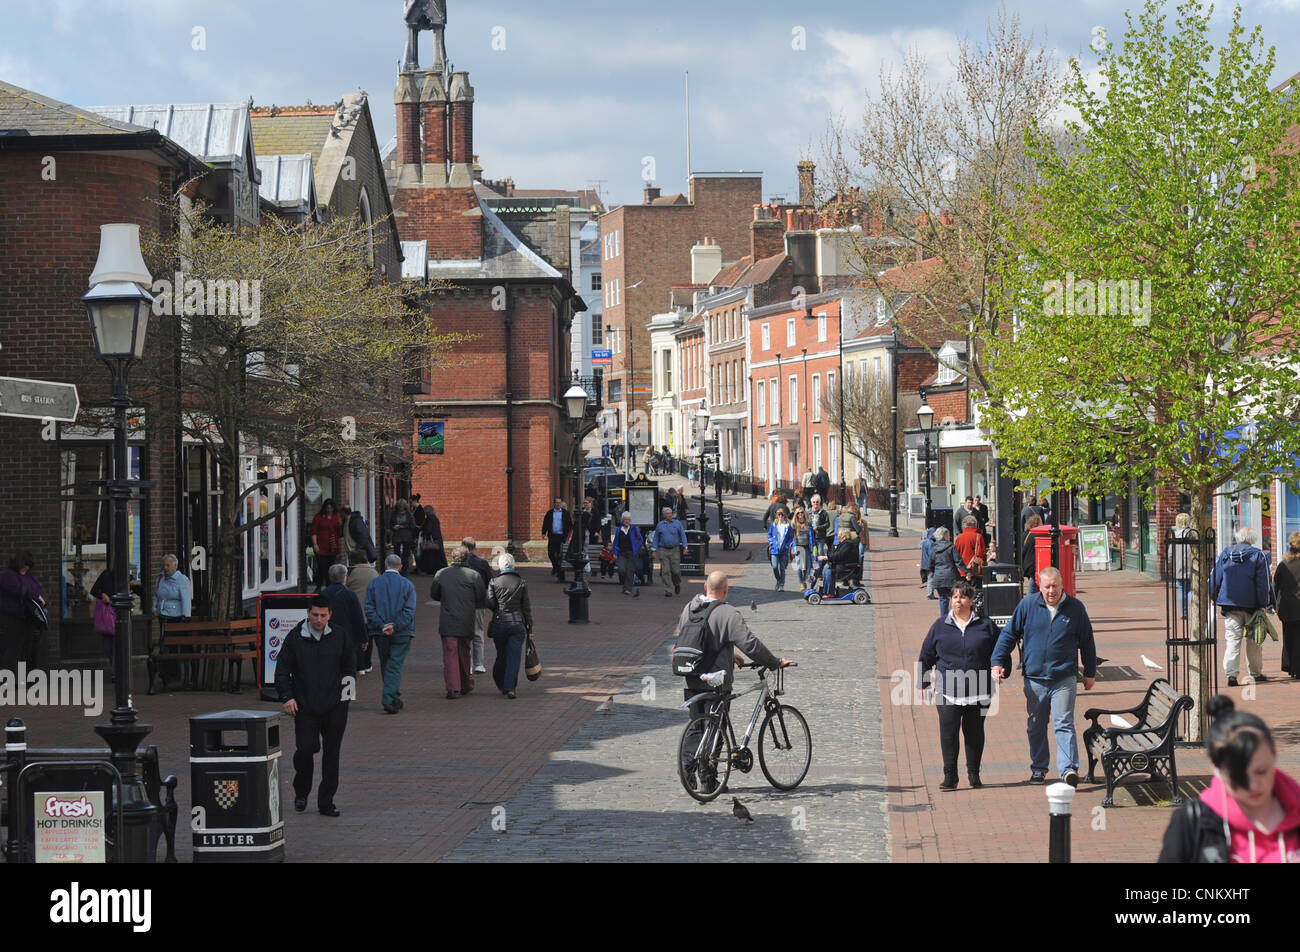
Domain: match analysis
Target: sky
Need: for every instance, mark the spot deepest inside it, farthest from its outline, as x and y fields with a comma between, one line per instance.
x=568, y=94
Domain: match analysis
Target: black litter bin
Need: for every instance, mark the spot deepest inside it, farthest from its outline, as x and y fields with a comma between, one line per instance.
x=694, y=556
x=1001, y=591
x=235, y=787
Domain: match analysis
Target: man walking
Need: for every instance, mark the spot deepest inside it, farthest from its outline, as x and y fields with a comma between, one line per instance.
x=356, y=535
x=483, y=616
x=822, y=484
x=462, y=591
x=1056, y=633
x=1240, y=586
x=807, y=485
x=556, y=526
x=669, y=540
x=315, y=676
x=627, y=546
x=346, y=613
x=359, y=578
x=819, y=526
x=390, y=621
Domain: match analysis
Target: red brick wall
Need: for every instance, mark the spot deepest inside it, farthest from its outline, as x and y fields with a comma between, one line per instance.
x=462, y=131
x=409, y=146
x=433, y=115
x=438, y=215
x=767, y=238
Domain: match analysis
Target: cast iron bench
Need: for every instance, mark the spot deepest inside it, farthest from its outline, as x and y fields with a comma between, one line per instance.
x=198, y=642
x=1146, y=748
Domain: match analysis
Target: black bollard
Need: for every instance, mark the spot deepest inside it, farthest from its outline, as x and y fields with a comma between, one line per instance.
x=1059, y=796
x=578, y=593
x=15, y=760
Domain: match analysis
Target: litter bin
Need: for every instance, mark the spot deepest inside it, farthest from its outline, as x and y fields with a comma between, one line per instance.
x=1043, y=553
x=235, y=787
x=1001, y=591
x=693, y=557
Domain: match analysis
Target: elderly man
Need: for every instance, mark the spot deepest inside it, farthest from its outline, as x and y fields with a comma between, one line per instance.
x=819, y=527
x=358, y=580
x=390, y=621
x=627, y=546
x=669, y=540
x=1240, y=586
x=462, y=592
x=1056, y=632
x=482, y=617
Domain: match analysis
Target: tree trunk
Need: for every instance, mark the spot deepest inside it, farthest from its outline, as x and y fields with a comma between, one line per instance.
x=1200, y=674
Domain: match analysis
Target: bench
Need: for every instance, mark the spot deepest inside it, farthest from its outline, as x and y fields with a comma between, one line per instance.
x=199, y=642
x=1146, y=748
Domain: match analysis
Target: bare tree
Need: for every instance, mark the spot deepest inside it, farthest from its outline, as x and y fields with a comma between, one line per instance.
x=867, y=419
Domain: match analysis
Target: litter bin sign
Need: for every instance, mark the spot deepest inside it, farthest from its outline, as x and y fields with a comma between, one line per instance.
x=235, y=787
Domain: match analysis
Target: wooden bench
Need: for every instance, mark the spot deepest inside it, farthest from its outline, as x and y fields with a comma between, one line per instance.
x=1146, y=748
x=199, y=642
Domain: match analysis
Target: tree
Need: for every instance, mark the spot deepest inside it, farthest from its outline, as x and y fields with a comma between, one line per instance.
x=868, y=423
x=1154, y=279
x=283, y=338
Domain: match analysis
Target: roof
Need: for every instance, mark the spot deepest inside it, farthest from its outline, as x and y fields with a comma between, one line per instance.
x=505, y=257
x=25, y=112
x=677, y=198
x=287, y=181
x=217, y=132
x=760, y=272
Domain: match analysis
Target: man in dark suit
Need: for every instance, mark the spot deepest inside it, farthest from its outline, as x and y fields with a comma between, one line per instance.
x=556, y=526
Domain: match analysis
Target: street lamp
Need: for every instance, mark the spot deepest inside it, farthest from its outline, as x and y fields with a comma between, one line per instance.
x=925, y=417
x=839, y=380
x=702, y=422
x=575, y=406
x=118, y=309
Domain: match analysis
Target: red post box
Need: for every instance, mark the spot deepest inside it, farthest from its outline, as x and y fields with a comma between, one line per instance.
x=1043, y=553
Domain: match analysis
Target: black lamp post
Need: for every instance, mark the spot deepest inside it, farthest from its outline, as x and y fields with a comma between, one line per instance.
x=118, y=308
x=925, y=417
x=839, y=380
x=575, y=406
x=702, y=421
x=893, y=446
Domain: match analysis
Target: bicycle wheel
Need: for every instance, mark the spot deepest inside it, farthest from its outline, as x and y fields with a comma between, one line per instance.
x=784, y=748
x=704, y=758
x=734, y=534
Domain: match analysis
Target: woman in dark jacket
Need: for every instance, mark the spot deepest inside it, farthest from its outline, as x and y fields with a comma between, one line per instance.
x=1286, y=585
x=433, y=555
x=402, y=527
x=512, y=623
x=19, y=636
x=946, y=567
x=102, y=593
x=841, y=565
x=1028, y=571
x=959, y=649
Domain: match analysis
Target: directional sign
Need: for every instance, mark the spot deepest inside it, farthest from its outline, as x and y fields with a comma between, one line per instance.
x=710, y=447
x=41, y=399
x=602, y=356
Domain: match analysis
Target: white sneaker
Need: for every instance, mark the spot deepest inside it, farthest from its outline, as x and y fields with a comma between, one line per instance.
x=365, y=671
x=480, y=670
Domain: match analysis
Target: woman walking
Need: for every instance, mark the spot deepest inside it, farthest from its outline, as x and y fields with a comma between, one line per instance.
x=802, y=545
x=780, y=544
x=959, y=649
x=326, y=540
x=1028, y=557
x=402, y=528
x=19, y=629
x=433, y=554
x=512, y=623
x=1286, y=583
x=1183, y=567
x=946, y=567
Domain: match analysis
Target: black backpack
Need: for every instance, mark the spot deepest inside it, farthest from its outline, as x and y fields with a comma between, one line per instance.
x=691, y=656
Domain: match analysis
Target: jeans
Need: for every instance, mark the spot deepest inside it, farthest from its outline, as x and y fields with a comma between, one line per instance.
x=313, y=732
x=1054, y=698
x=1184, y=587
x=966, y=720
x=509, y=637
x=393, y=650
x=802, y=559
x=779, y=562
x=692, y=742
x=1032, y=587
x=482, y=619
x=456, y=670
x=1234, y=626
x=943, y=594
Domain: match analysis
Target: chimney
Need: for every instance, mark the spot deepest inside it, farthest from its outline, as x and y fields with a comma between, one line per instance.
x=765, y=233
x=801, y=246
x=407, y=99
x=460, y=121
x=651, y=193
x=706, y=261
x=806, y=170
x=433, y=119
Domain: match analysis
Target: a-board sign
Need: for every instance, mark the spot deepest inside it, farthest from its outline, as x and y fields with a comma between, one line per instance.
x=1094, y=548
x=277, y=614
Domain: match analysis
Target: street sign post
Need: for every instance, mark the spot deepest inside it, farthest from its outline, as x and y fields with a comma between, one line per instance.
x=710, y=447
x=39, y=399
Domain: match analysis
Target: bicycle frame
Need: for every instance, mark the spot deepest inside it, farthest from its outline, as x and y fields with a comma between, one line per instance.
x=721, y=709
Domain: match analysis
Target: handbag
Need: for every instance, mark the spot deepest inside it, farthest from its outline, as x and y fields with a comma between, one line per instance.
x=532, y=663
x=105, y=619
x=36, y=614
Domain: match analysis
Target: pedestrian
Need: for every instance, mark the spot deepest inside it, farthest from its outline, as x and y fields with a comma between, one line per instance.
x=402, y=533
x=417, y=512
x=102, y=593
x=1029, y=555
x=927, y=550
x=946, y=567
x=356, y=537
x=433, y=556
x=669, y=540
x=983, y=513
x=972, y=548
x=557, y=525
x=1286, y=584
x=627, y=546
x=359, y=578
x=959, y=649
x=968, y=511
x=462, y=592
x=1031, y=509
x=315, y=677
x=860, y=491
x=512, y=623
x=808, y=485
x=346, y=611
x=483, y=616
x=841, y=564
x=22, y=607
x=1182, y=567
x=1250, y=812
x=591, y=520
x=778, y=502
x=819, y=526
x=802, y=545
x=172, y=599
x=326, y=540
x=780, y=545
x=1239, y=586
x=1056, y=634
x=390, y=623
x=822, y=483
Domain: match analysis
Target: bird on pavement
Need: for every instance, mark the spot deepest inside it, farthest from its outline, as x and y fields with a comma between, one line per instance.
x=740, y=812
x=607, y=705
x=1148, y=663
x=753, y=606
x=749, y=555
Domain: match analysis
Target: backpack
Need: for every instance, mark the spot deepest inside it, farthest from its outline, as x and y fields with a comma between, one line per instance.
x=688, y=657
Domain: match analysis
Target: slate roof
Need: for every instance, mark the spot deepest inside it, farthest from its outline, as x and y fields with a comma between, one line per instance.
x=505, y=257
x=217, y=132
x=25, y=112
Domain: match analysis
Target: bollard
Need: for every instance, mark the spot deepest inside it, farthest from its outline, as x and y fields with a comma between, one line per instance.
x=15, y=760
x=1059, y=796
x=578, y=593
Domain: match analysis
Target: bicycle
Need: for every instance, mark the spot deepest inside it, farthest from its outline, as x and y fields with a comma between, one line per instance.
x=708, y=748
x=730, y=534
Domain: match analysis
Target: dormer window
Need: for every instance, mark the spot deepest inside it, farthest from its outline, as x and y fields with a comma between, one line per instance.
x=948, y=362
x=882, y=314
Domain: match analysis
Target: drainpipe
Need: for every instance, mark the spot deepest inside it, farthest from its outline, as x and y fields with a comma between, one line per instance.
x=510, y=439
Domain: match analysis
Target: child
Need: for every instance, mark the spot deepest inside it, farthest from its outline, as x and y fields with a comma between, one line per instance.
x=606, y=561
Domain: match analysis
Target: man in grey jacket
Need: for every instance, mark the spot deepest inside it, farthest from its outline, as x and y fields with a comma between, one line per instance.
x=461, y=591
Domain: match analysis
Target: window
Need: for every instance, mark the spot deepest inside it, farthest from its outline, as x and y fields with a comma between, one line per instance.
x=595, y=280
x=616, y=243
x=776, y=401
x=817, y=451
x=368, y=222
x=762, y=461
x=597, y=330
x=875, y=369
x=882, y=314
x=834, y=459
x=789, y=332
x=767, y=336
x=821, y=327
x=760, y=403
x=268, y=547
x=830, y=382
x=817, y=397
x=794, y=399
x=615, y=391
x=668, y=371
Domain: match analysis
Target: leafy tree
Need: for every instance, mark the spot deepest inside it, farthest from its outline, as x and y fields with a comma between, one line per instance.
x=1154, y=278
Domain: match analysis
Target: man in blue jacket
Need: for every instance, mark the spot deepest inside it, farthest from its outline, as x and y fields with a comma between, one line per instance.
x=1240, y=586
x=1057, y=633
x=390, y=619
x=669, y=540
x=627, y=546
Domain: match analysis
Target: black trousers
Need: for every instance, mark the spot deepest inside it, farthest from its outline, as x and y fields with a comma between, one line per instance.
x=555, y=551
x=968, y=721
x=314, y=732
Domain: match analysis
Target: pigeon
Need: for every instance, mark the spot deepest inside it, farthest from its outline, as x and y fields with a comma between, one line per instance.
x=1118, y=721
x=753, y=606
x=607, y=705
x=749, y=555
x=739, y=811
x=1148, y=663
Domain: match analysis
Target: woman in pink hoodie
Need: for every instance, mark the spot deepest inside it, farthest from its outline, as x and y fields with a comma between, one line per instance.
x=1250, y=813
